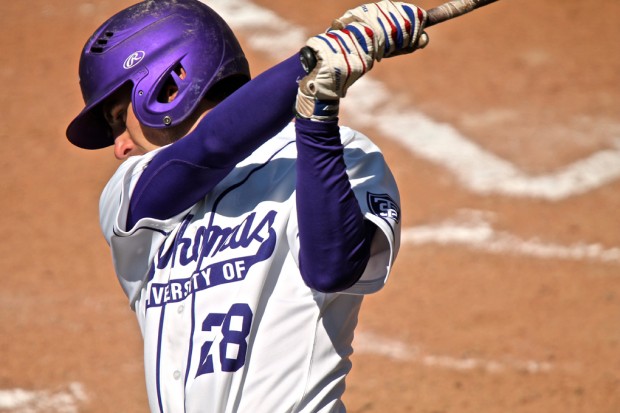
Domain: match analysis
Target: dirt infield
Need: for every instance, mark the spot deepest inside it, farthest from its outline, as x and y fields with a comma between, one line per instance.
x=504, y=137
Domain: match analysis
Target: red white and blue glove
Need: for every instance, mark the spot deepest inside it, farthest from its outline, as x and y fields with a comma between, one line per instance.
x=349, y=49
x=398, y=28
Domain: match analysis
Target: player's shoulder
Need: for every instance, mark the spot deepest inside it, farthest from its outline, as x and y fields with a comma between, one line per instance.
x=131, y=168
x=281, y=145
x=352, y=138
x=124, y=179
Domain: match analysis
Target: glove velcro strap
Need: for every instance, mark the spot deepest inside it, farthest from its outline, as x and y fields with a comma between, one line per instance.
x=326, y=108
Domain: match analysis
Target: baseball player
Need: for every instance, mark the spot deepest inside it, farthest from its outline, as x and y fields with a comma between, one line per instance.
x=244, y=241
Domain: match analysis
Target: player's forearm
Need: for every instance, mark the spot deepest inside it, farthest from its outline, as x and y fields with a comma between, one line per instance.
x=187, y=170
x=334, y=237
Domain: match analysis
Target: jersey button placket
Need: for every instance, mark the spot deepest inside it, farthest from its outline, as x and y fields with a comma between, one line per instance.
x=177, y=373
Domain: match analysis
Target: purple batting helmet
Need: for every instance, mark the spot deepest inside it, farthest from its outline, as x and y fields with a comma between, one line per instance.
x=145, y=45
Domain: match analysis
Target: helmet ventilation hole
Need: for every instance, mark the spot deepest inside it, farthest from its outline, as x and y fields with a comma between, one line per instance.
x=99, y=45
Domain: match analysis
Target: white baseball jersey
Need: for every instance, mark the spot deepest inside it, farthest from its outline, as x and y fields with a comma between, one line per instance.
x=227, y=321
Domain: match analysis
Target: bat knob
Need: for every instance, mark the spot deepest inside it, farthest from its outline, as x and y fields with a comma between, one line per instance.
x=308, y=59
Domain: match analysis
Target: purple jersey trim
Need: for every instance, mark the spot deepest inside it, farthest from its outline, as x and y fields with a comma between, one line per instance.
x=158, y=363
x=334, y=237
x=184, y=172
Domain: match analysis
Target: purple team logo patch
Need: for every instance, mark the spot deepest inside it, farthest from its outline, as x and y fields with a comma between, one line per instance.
x=384, y=207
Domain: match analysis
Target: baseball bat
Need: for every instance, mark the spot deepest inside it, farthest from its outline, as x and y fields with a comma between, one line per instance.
x=435, y=15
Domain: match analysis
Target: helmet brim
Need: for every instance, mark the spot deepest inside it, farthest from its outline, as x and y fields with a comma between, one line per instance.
x=89, y=129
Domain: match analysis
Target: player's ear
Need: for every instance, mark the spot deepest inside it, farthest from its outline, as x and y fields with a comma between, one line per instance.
x=171, y=88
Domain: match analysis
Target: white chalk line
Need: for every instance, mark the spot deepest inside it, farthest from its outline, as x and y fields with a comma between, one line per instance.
x=43, y=401
x=370, y=343
x=473, y=230
x=475, y=168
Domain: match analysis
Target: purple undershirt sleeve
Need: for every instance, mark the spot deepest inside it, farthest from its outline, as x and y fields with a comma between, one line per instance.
x=184, y=172
x=334, y=237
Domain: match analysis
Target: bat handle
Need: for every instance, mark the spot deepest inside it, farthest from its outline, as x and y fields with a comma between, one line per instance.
x=453, y=9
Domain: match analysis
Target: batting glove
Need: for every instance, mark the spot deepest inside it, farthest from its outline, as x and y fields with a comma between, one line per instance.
x=398, y=27
x=349, y=49
x=343, y=56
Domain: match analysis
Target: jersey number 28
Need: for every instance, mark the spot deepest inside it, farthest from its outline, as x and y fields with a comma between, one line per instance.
x=233, y=345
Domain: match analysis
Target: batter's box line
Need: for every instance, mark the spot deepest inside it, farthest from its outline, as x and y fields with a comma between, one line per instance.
x=475, y=168
x=370, y=343
x=473, y=231
x=43, y=401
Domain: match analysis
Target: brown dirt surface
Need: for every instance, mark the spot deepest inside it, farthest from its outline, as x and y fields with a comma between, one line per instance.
x=524, y=318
